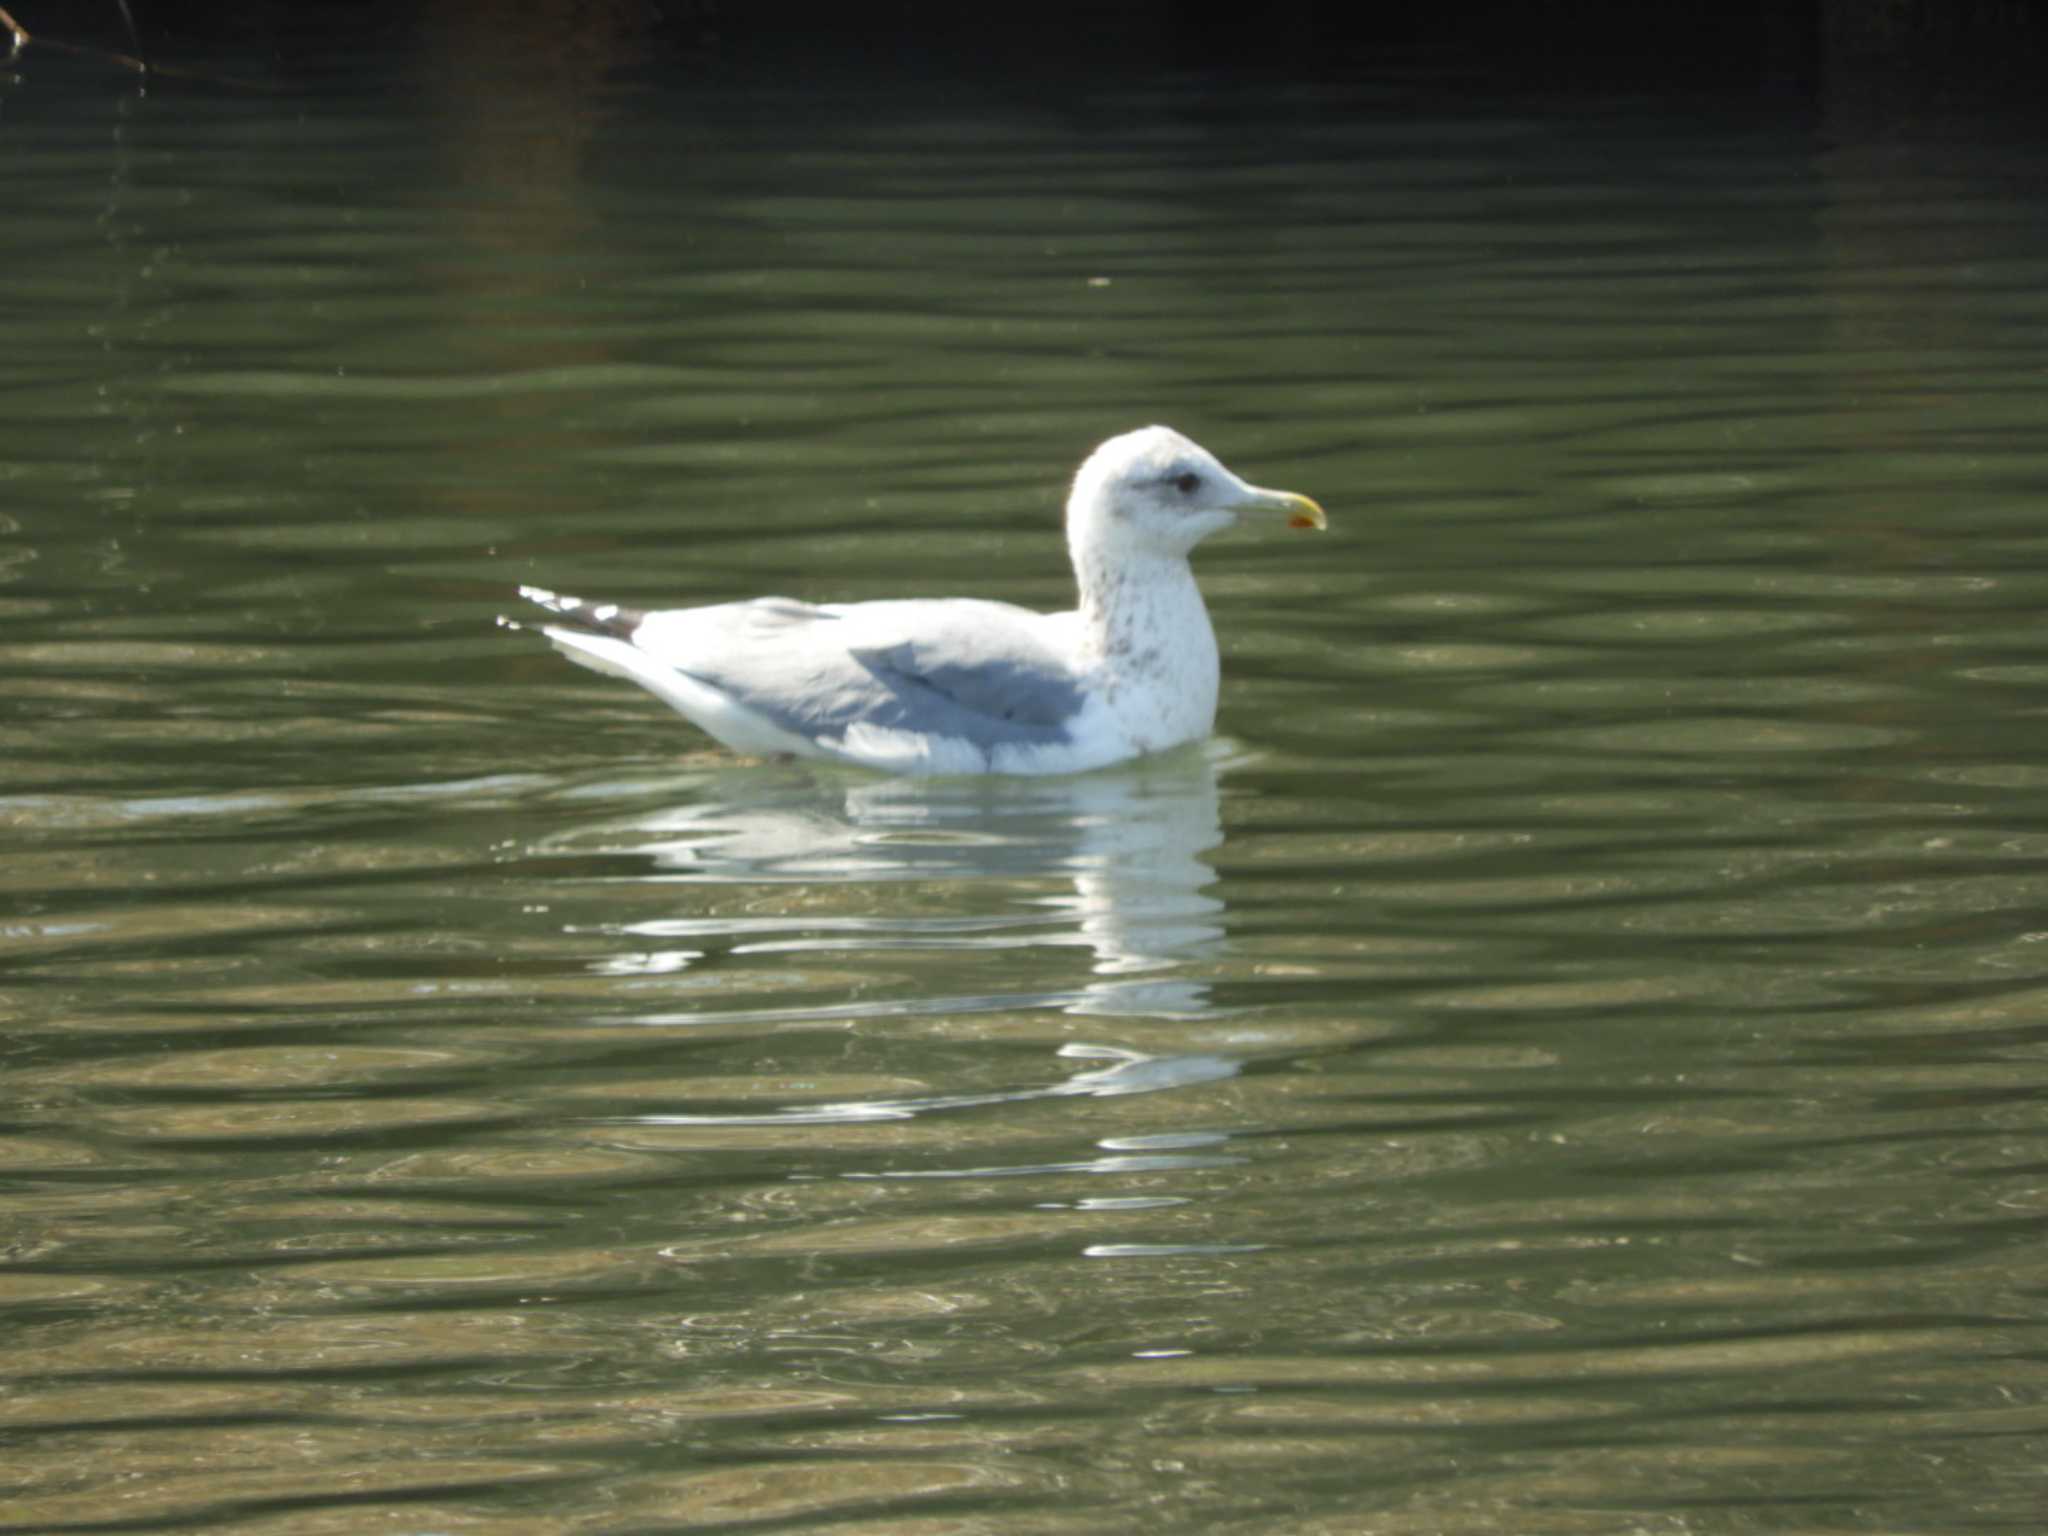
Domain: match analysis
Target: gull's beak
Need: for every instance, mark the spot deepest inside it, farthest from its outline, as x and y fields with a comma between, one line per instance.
x=1299, y=510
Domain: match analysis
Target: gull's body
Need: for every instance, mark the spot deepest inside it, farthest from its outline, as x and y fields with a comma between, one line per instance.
x=962, y=685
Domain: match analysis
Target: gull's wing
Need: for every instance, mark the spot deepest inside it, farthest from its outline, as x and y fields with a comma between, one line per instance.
x=996, y=666
x=983, y=672
x=861, y=680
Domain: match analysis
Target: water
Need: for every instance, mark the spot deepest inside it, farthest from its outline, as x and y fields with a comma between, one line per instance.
x=1569, y=1058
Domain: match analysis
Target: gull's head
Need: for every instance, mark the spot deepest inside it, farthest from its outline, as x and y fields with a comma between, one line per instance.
x=1156, y=491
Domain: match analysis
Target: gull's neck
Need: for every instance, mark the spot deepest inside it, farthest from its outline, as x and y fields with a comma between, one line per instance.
x=1146, y=628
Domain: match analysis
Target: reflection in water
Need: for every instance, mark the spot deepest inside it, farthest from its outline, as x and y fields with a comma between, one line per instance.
x=970, y=875
x=1128, y=841
x=1131, y=1073
x=1109, y=861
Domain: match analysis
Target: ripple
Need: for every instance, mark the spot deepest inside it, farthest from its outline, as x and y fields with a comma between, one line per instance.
x=1730, y=733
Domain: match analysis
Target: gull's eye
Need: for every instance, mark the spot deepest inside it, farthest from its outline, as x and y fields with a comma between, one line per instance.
x=1187, y=484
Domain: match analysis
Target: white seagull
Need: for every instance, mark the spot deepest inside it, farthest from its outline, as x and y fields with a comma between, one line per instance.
x=959, y=684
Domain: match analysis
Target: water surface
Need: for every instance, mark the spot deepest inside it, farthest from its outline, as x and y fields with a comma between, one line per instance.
x=1568, y=1058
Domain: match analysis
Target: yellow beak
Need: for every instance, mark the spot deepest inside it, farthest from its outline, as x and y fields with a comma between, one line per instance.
x=1301, y=512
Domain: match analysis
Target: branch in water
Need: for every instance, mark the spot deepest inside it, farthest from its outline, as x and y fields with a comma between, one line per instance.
x=18, y=41
x=14, y=37
x=134, y=35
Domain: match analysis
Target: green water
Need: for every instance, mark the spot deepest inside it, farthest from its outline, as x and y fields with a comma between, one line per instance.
x=1569, y=1058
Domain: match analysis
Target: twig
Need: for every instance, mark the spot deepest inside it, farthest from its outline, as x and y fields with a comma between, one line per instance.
x=18, y=40
x=134, y=35
x=17, y=37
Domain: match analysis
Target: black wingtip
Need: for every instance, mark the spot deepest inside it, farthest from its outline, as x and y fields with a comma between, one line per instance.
x=603, y=618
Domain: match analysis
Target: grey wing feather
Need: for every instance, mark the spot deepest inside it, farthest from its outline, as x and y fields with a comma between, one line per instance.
x=1015, y=695
x=971, y=670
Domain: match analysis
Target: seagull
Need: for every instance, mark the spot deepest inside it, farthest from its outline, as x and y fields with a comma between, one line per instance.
x=962, y=685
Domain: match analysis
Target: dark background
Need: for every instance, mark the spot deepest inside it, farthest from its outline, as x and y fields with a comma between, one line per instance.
x=1909, y=54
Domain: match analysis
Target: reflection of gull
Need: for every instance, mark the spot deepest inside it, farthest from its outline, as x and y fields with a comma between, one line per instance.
x=1127, y=843
x=1131, y=1073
